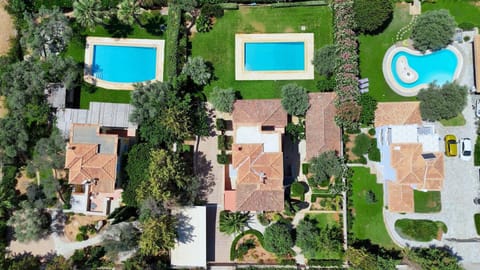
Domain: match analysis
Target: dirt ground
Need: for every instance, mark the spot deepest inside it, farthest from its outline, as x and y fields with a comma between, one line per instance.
x=75, y=221
x=7, y=29
x=350, y=144
x=258, y=254
x=23, y=181
x=40, y=247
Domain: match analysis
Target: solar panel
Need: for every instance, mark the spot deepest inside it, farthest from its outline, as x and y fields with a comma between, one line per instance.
x=428, y=156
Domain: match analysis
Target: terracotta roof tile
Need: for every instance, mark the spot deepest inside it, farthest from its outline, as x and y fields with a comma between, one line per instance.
x=400, y=198
x=265, y=112
x=397, y=113
x=322, y=133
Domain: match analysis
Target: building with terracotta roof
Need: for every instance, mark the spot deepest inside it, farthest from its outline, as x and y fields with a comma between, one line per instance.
x=92, y=163
x=410, y=154
x=256, y=172
x=322, y=133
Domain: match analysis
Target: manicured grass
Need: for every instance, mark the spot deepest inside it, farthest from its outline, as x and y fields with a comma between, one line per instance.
x=421, y=230
x=462, y=10
x=368, y=217
x=324, y=219
x=372, y=51
x=477, y=223
x=218, y=45
x=103, y=95
x=427, y=202
x=458, y=120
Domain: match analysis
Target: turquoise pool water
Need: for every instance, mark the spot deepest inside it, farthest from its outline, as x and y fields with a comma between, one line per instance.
x=436, y=67
x=124, y=64
x=274, y=56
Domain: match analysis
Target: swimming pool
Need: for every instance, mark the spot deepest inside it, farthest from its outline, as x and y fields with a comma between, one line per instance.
x=407, y=71
x=438, y=67
x=274, y=56
x=124, y=64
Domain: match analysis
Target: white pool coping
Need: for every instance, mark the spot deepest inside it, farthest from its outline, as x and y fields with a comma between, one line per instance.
x=244, y=75
x=410, y=92
x=131, y=42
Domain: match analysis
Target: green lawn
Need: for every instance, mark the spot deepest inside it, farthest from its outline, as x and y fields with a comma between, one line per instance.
x=477, y=223
x=103, y=95
x=218, y=46
x=372, y=51
x=421, y=230
x=368, y=217
x=462, y=10
x=427, y=202
x=324, y=219
x=458, y=120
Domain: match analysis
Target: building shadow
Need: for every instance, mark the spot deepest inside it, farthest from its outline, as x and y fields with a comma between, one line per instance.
x=211, y=231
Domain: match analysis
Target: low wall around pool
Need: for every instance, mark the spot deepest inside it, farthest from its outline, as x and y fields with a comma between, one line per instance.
x=242, y=74
x=159, y=45
x=406, y=73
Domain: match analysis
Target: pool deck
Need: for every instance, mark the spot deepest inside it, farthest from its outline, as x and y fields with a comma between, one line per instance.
x=244, y=75
x=131, y=42
x=410, y=92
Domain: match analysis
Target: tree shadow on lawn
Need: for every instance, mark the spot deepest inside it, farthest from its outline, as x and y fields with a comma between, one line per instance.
x=118, y=29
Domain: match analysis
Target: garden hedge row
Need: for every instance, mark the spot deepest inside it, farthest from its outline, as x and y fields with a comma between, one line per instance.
x=233, y=250
x=476, y=152
x=229, y=6
x=171, y=46
x=325, y=262
x=299, y=4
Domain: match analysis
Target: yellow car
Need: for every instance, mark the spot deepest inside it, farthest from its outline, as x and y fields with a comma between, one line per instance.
x=450, y=145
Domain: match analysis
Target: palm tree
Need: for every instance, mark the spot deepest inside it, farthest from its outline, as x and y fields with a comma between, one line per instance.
x=88, y=13
x=233, y=222
x=127, y=11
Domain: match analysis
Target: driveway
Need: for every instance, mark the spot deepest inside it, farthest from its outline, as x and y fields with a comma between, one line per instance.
x=460, y=187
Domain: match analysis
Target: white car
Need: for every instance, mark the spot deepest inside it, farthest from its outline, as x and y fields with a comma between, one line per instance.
x=466, y=149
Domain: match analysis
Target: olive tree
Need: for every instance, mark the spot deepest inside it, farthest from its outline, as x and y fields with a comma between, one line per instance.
x=324, y=60
x=433, y=30
x=278, y=238
x=197, y=70
x=295, y=99
x=325, y=166
x=442, y=102
x=29, y=223
x=223, y=99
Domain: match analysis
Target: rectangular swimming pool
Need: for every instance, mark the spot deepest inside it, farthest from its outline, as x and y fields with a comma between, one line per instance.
x=124, y=64
x=274, y=56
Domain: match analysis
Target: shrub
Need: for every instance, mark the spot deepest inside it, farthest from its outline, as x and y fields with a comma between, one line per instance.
x=369, y=106
x=324, y=60
x=294, y=99
x=221, y=124
x=222, y=158
x=421, y=230
x=221, y=142
x=229, y=6
x=326, y=84
x=263, y=219
x=233, y=250
x=466, y=38
x=244, y=247
x=372, y=16
x=278, y=238
x=212, y=10
x=476, y=152
x=203, y=24
x=370, y=197
x=171, y=45
x=439, y=22
x=374, y=152
x=325, y=166
x=466, y=26
x=305, y=167
x=296, y=132
x=371, y=132
x=297, y=189
x=325, y=262
x=81, y=237
x=197, y=69
x=476, y=218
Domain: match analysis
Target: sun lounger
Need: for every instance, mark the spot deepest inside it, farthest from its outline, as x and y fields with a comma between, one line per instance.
x=363, y=91
x=364, y=80
x=364, y=85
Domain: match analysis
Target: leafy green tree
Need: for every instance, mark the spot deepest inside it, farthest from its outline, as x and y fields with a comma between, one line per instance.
x=91, y=257
x=203, y=24
x=360, y=258
x=201, y=122
x=443, y=102
x=433, y=30
x=158, y=236
x=128, y=11
x=168, y=180
x=369, y=106
x=163, y=116
x=24, y=261
x=197, y=69
x=29, y=223
x=295, y=99
x=372, y=16
x=137, y=171
x=14, y=137
x=50, y=152
x=185, y=5
x=324, y=60
x=141, y=262
x=278, y=238
x=58, y=263
x=306, y=239
x=88, y=13
x=233, y=222
x=325, y=166
x=434, y=258
x=223, y=99
x=48, y=33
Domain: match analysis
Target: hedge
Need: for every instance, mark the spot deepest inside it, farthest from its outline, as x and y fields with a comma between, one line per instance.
x=321, y=195
x=305, y=167
x=233, y=250
x=171, y=47
x=325, y=262
x=299, y=4
x=374, y=152
x=229, y=6
x=476, y=152
x=476, y=218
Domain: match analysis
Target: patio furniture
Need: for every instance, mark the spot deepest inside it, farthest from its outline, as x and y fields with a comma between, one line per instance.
x=364, y=85
x=364, y=80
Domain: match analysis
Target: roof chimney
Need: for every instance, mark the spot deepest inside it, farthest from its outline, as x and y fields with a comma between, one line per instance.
x=263, y=177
